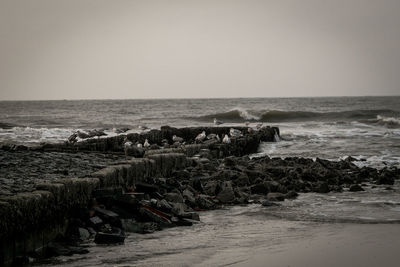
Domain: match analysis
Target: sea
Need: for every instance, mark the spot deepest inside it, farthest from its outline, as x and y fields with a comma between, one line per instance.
x=366, y=128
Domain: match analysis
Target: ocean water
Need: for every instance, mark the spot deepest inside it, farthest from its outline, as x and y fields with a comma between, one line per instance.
x=367, y=128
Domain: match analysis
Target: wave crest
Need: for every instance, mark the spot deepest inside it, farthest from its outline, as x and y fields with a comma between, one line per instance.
x=389, y=122
x=241, y=115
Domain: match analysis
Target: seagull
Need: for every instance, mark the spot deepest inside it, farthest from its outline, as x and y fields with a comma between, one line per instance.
x=226, y=139
x=127, y=143
x=201, y=137
x=235, y=132
x=146, y=143
x=217, y=122
x=213, y=136
x=139, y=145
x=143, y=127
x=177, y=139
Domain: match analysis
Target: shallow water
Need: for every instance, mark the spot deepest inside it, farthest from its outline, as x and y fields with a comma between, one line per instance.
x=236, y=234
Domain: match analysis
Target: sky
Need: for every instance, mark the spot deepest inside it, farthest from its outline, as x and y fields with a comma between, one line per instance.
x=127, y=49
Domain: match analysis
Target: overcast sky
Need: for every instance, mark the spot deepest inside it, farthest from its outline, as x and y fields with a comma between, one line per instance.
x=93, y=49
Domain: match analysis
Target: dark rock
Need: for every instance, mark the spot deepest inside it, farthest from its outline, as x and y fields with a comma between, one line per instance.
x=146, y=188
x=268, y=203
x=291, y=195
x=204, y=202
x=96, y=221
x=211, y=187
x=323, y=188
x=261, y=188
x=155, y=215
x=242, y=180
x=356, y=188
x=385, y=177
x=189, y=197
x=108, y=216
x=83, y=234
x=174, y=197
x=226, y=195
x=164, y=205
x=115, y=237
x=197, y=185
x=275, y=197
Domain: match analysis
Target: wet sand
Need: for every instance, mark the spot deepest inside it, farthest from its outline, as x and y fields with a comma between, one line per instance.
x=344, y=245
x=249, y=236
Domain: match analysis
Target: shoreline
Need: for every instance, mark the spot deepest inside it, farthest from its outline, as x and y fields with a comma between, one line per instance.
x=166, y=187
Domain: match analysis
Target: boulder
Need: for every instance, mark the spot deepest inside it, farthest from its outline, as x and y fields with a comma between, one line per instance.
x=275, y=197
x=260, y=188
x=204, y=202
x=174, y=197
x=226, y=195
x=355, y=188
x=189, y=197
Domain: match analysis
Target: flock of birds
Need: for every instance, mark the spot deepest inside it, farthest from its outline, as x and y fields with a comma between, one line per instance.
x=176, y=139
x=200, y=138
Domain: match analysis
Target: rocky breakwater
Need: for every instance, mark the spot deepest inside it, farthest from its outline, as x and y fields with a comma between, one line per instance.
x=194, y=184
x=164, y=139
x=142, y=190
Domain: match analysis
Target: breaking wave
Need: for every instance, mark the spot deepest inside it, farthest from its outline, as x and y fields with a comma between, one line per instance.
x=233, y=115
x=241, y=115
x=389, y=122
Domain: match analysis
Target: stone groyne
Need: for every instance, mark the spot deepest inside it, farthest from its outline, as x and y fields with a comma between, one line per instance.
x=30, y=220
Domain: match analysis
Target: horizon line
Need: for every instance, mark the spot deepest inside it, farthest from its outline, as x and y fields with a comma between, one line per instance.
x=196, y=98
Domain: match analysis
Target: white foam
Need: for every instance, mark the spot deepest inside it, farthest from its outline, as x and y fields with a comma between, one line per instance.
x=246, y=114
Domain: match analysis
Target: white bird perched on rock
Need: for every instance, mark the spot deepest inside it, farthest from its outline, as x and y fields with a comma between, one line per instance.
x=226, y=139
x=146, y=143
x=213, y=136
x=235, y=132
x=217, y=122
x=127, y=143
x=177, y=139
x=139, y=145
x=143, y=127
x=201, y=137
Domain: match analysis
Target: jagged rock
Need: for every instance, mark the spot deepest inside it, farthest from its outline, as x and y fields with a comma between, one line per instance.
x=83, y=234
x=211, y=187
x=242, y=180
x=355, y=188
x=226, y=195
x=179, y=208
x=174, y=197
x=189, y=197
x=323, y=188
x=204, y=202
x=291, y=195
x=261, y=188
x=385, y=177
x=164, y=205
x=268, y=203
x=275, y=197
